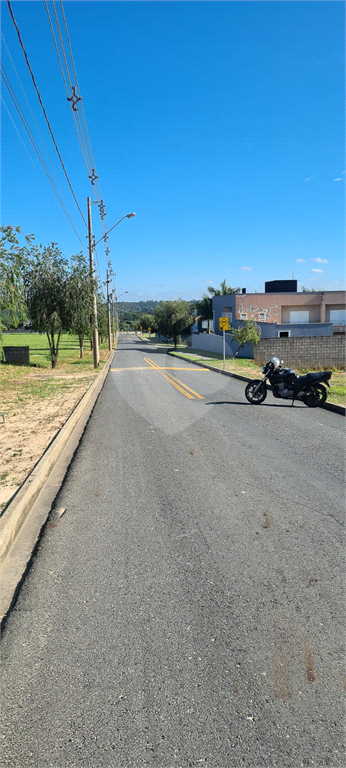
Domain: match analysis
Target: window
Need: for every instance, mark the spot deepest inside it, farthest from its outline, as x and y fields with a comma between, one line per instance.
x=284, y=334
x=299, y=316
x=229, y=315
x=261, y=315
x=243, y=315
x=338, y=316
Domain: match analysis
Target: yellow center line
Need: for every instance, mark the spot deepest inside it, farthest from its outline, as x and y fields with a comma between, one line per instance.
x=161, y=368
x=169, y=379
x=175, y=382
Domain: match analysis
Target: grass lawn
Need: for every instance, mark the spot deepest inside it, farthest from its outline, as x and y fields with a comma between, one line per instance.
x=246, y=367
x=38, y=380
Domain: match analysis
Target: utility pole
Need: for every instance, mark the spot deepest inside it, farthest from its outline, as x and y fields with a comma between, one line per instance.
x=108, y=313
x=96, y=352
x=113, y=318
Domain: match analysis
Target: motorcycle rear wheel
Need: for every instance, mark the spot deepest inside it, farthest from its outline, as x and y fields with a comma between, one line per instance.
x=315, y=395
x=256, y=398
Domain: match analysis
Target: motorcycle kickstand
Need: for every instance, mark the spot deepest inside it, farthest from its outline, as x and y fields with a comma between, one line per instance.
x=292, y=403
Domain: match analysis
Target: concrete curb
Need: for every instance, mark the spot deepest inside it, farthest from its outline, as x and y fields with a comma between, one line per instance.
x=17, y=547
x=327, y=406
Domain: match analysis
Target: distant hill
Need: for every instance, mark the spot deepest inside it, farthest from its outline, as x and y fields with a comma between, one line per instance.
x=136, y=306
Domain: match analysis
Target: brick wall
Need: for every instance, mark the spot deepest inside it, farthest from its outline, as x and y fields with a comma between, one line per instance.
x=309, y=352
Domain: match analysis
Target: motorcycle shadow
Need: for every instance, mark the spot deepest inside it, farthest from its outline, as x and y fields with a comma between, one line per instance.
x=262, y=405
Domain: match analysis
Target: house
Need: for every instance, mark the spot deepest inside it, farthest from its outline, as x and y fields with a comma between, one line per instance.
x=281, y=311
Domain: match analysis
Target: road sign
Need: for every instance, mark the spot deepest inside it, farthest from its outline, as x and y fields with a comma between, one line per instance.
x=223, y=324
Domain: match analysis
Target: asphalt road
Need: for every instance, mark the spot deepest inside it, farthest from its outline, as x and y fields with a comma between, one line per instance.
x=187, y=608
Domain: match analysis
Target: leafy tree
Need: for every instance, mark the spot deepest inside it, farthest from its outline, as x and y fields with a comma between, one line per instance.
x=204, y=309
x=224, y=289
x=173, y=318
x=148, y=321
x=80, y=297
x=46, y=282
x=102, y=317
x=13, y=261
x=308, y=290
x=249, y=333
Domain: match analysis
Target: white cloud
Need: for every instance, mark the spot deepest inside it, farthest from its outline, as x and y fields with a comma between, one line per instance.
x=310, y=177
x=301, y=261
x=338, y=179
x=317, y=270
x=247, y=269
x=320, y=261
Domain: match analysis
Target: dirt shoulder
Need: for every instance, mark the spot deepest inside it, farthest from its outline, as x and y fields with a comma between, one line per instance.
x=35, y=404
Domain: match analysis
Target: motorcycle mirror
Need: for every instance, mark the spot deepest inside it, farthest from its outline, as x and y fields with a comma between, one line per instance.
x=281, y=362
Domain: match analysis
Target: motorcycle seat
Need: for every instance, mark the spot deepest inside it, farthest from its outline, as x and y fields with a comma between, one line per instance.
x=314, y=376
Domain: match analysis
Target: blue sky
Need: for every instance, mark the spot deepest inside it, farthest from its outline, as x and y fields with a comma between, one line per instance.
x=220, y=124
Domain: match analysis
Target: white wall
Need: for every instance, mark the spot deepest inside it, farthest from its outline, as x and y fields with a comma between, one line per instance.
x=211, y=343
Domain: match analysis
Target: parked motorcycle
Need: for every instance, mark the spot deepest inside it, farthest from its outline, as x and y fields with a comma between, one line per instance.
x=286, y=384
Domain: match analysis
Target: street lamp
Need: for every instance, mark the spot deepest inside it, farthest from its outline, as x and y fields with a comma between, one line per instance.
x=92, y=245
x=128, y=216
x=116, y=311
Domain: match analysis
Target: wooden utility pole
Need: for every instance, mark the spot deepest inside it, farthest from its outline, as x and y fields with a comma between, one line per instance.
x=92, y=275
x=108, y=313
x=113, y=318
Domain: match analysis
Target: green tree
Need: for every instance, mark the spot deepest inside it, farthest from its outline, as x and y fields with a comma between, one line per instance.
x=13, y=262
x=249, y=333
x=46, y=283
x=147, y=321
x=224, y=289
x=80, y=297
x=173, y=318
x=102, y=317
x=204, y=309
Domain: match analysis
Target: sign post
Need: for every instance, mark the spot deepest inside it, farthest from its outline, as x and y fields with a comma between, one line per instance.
x=224, y=326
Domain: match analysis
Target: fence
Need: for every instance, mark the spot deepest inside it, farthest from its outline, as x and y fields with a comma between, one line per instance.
x=309, y=352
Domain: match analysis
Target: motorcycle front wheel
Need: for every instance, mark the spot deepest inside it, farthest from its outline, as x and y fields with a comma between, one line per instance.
x=256, y=392
x=314, y=395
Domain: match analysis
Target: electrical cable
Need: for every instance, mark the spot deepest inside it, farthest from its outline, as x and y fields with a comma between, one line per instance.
x=90, y=164
x=43, y=109
x=68, y=89
x=74, y=99
x=34, y=143
x=64, y=205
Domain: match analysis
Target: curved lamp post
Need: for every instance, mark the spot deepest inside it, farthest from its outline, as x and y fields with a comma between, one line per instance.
x=128, y=216
x=92, y=245
x=116, y=311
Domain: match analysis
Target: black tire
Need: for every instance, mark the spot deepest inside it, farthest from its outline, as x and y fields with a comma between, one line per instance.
x=256, y=398
x=315, y=395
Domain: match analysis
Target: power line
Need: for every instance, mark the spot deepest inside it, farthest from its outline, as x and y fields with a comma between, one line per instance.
x=31, y=136
x=76, y=102
x=34, y=144
x=43, y=109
